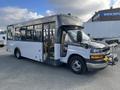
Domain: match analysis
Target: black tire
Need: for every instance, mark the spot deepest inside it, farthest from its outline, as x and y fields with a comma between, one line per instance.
x=78, y=68
x=1, y=45
x=17, y=54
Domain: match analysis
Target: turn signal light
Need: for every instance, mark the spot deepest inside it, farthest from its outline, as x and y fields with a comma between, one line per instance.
x=97, y=57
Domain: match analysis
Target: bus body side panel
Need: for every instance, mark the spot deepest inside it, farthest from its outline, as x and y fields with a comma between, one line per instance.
x=10, y=46
x=57, y=51
x=85, y=53
x=31, y=50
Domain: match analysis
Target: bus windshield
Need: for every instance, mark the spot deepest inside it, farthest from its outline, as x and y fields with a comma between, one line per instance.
x=85, y=37
x=73, y=35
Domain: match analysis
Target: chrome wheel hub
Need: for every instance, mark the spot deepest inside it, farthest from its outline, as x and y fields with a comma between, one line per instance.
x=76, y=65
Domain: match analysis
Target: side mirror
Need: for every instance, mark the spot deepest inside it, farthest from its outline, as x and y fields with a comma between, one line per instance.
x=79, y=36
x=87, y=46
x=88, y=34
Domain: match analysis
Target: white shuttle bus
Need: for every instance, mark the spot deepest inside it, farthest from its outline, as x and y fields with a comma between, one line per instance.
x=3, y=38
x=55, y=40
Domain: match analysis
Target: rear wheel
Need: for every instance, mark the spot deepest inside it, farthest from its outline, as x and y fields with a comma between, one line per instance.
x=17, y=54
x=1, y=45
x=77, y=65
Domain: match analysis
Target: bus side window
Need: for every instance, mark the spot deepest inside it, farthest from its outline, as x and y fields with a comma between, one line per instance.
x=23, y=36
x=10, y=33
x=29, y=33
x=38, y=32
x=17, y=34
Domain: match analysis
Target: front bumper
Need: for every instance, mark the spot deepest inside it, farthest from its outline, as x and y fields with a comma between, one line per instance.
x=99, y=64
x=92, y=65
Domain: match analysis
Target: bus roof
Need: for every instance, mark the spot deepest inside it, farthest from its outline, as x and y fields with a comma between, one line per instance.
x=60, y=19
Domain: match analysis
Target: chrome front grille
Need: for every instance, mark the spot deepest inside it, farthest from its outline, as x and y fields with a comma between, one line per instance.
x=107, y=50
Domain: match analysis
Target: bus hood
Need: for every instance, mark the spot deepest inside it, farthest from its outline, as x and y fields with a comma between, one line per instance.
x=95, y=44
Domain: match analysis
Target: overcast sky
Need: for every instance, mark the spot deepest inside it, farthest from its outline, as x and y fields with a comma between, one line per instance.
x=12, y=11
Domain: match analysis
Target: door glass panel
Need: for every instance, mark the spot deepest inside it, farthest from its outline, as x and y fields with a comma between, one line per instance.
x=45, y=41
x=52, y=39
x=49, y=40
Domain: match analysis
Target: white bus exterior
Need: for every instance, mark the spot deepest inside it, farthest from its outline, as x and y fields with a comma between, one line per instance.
x=3, y=38
x=55, y=40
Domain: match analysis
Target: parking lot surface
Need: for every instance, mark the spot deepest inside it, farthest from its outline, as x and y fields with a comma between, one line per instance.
x=26, y=74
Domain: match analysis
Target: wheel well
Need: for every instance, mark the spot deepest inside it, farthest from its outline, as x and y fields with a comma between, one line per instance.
x=75, y=55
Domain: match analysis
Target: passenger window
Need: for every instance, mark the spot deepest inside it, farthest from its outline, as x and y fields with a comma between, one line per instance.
x=17, y=34
x=38, y=33
x=23, y=34
x=29, y=33
x=10, y=33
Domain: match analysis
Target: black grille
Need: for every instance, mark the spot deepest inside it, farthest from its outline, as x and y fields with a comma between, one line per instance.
x=106, y=49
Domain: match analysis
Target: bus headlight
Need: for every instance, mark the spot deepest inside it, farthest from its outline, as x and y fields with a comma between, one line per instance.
x=94, y=50
x=97, y=56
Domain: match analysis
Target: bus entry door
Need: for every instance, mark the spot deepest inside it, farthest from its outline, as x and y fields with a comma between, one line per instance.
x=48, y=41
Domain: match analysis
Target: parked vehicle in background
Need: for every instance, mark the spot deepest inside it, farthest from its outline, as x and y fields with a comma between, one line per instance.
x=3, y=38
x=105, y=26
x=55, y=40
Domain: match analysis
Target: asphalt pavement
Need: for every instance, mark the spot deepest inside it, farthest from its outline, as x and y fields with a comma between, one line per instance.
x=26, y=74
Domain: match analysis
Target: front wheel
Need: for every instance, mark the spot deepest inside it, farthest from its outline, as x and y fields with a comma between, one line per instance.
x=17, y=54
x=77, y=65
